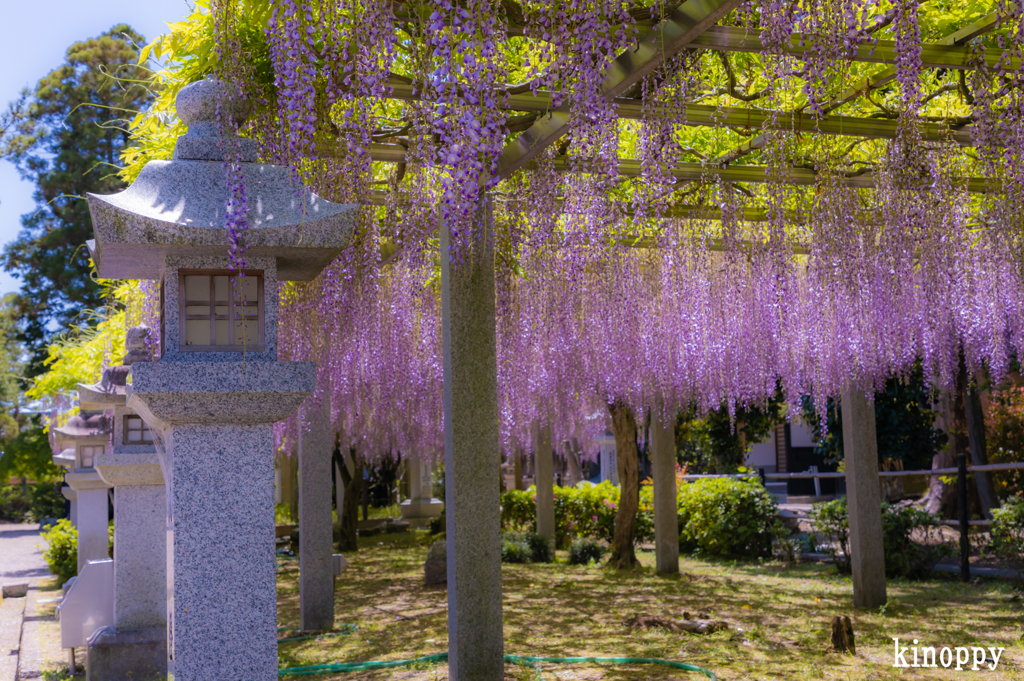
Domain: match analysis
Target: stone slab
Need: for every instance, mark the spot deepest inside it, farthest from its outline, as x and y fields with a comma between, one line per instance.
x=15, y=590
x=130, y=470
x=127, y=655
x=169, y=393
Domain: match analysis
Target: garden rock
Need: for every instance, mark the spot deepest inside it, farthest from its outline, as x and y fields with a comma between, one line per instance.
x=692, y=626
x=435, y=570
x=842, y=635
x=15, y=590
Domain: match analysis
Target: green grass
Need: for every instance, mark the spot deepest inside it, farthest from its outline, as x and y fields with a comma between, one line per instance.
x=779, y=614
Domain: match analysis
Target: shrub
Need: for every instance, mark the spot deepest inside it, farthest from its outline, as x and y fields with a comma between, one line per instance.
x=46, y=501
x=541, y=550
x=515, y=548
x=586, y=510
x=903, y=556
x=1008, y=532
x=13, y=505
x=437, y=524
x=831, y=519
x=43, y=501
x=61, y=554
x=726, y=517
x=585, y=550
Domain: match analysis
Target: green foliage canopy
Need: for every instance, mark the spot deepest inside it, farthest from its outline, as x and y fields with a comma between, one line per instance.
x=66, y=137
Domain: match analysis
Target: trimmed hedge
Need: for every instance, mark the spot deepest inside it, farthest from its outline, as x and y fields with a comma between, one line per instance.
x=717, y=516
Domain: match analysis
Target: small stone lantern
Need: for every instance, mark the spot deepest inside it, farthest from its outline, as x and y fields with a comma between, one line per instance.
x=217, y=388
x=135, y=646
x=89, y=436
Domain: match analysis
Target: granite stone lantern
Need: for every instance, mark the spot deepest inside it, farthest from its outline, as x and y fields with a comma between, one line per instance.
x=217, y=387
x=136, y=645
x=89, y=435
x=421, y=505
x=66, y=459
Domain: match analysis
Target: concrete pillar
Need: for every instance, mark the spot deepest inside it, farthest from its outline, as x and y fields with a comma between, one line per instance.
x=93, y=519
x=860, y=447
x=544, y=465
x=472, y=455
x=316, y=523
x=666, y=512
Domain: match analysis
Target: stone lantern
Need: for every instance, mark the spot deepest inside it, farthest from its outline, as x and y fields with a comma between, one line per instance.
x=135, y=646
x=89, y=436
x=217, y=387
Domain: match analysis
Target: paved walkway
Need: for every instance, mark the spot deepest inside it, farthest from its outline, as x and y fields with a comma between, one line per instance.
x=21, y=554
x=29, y=635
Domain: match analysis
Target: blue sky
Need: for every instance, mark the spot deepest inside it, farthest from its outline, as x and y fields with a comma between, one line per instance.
x=37, y=35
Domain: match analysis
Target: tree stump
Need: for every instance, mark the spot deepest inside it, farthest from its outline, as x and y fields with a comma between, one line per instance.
x=842, y=635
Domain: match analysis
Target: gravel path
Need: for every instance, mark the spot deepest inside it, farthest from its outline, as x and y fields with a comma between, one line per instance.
x=21, y=554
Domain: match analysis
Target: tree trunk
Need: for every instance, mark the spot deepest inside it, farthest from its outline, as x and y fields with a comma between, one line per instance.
x=517, y=468
x=623, y=556
x=351, y=469
x=974, y=418
x=941, y=499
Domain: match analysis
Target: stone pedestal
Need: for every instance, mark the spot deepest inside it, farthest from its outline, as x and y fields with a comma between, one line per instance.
x=421, y=505
x=316, y=524
x=666, y=513
x=215, y=421
x=860, y=447
x=544, y=465
x=472, y=459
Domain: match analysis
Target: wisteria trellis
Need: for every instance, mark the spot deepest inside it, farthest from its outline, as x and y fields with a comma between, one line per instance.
x=655, y=287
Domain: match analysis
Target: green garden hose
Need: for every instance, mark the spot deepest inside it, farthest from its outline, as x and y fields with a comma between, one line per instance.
x=512, y=659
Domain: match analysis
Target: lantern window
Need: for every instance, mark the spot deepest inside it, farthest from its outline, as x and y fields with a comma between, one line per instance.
x=137, y=431
x=220, y=311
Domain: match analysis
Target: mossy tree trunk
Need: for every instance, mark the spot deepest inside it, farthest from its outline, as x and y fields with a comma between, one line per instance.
x=623, y=556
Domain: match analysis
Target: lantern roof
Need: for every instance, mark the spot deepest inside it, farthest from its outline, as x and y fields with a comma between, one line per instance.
x=109, y=392
x=84, y=426
x=179, y=207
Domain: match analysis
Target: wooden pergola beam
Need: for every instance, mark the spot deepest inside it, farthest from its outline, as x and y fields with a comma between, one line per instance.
x=873, y=82
x=737, y=117
x=933, y=55
x=684, y=24
x=689, y=172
